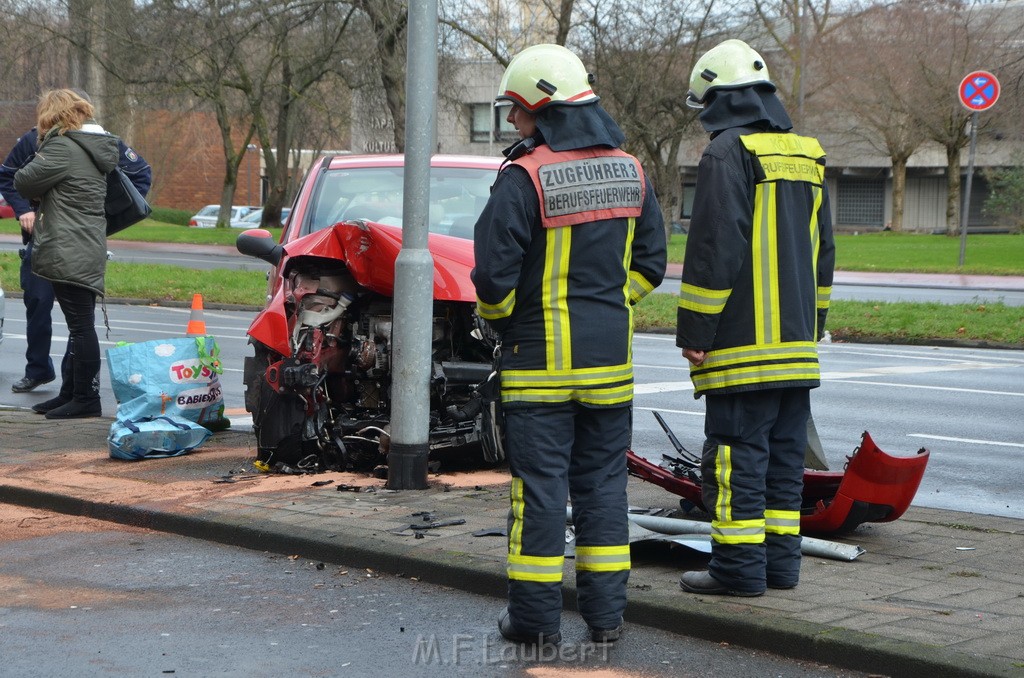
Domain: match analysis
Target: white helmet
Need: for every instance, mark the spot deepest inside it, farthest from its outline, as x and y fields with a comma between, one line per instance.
x=730, y=65
x=545, y=75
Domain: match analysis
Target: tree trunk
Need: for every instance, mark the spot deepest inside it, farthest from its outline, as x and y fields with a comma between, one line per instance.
x=899, y=192
x=952, y=190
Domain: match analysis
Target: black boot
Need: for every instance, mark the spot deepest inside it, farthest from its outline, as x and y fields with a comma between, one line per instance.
x=67, y=381
x=85, y=401
x=52, y=403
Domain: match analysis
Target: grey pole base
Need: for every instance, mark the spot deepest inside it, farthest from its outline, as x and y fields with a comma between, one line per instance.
x=407, y=466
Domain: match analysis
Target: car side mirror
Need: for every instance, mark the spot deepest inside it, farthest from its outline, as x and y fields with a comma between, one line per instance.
x=259, y=243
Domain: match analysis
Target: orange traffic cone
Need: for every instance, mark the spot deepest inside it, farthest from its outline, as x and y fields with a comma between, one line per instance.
x=196, y=324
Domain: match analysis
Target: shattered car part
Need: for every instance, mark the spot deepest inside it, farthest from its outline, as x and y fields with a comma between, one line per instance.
x=874, y=487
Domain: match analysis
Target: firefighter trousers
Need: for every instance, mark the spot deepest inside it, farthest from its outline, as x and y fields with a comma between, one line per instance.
x=752, y=470
x=555, y=452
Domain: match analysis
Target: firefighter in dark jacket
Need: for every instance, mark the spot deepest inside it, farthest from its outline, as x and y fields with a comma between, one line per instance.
x=757, y=276
x=570, y=240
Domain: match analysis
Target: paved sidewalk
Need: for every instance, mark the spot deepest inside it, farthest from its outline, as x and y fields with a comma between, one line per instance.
x=937, y=593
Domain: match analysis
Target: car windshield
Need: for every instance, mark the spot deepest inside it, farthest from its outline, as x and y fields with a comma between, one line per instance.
x=208, y=211
x=457, y=196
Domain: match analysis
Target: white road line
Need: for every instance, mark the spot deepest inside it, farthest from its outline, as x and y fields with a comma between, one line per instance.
x=662, y=367
x=662, y=409
x=846, y=380
x=908, y=356
x=662, y=387
x=998, y=443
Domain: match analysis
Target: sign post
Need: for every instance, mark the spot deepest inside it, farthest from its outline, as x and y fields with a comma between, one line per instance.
x=978, y=91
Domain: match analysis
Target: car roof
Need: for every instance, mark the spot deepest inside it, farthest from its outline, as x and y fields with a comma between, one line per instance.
x=395, y=160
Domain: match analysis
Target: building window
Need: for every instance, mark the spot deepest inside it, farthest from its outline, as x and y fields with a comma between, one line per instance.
x=485, y=117
x=860, y=202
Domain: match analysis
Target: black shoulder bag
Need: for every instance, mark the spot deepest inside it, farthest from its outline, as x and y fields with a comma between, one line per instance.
x=124, y=205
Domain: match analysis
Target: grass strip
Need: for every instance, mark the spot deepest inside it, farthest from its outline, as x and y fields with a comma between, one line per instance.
x=986, y=254
x=898, y=322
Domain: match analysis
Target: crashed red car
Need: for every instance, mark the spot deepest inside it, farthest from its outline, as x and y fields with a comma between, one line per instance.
x=319, y=383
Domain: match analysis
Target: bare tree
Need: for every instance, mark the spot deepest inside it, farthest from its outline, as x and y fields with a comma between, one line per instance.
x=389, y=23
x=644, y=51
x=953, y=39
x=872, y=94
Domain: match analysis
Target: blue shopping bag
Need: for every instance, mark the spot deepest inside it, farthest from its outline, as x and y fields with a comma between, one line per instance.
x=154, y=437
x=178, y=377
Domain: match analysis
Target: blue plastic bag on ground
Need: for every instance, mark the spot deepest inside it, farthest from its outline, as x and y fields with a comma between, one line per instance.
x=154, y=438
x=178, y=377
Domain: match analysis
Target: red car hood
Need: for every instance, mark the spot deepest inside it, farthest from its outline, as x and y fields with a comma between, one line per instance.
x=369, y=250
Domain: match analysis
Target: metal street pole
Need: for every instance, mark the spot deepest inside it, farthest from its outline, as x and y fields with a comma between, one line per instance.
x=965, y=215
x=414, y=267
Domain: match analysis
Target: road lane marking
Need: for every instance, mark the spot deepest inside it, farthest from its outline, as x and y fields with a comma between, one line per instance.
x=998, y=443
x=662, y=409
x=662, y=367
x=907, y=356
x=662, y=387
x=846, y=380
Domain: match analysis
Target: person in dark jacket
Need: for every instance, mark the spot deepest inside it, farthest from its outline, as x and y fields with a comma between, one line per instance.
x=38, y=292
x=757, y=278
x=68, y=179
x=570, y=240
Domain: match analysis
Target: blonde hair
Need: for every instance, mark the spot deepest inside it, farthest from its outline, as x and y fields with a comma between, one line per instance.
x=61, y=108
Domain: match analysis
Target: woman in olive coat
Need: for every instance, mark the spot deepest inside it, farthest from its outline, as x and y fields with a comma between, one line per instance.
x=68, y=178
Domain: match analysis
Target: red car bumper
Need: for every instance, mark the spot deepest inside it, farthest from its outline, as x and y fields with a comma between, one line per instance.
x=875, y=488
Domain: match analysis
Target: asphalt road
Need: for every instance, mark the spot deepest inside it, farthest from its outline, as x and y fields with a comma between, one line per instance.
x=95, y=599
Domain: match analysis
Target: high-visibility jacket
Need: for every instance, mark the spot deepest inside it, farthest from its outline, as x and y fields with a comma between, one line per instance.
x=757, y=274
x=567, y=244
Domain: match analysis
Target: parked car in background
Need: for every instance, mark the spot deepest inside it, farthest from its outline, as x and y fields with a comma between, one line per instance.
x=6, y=211
x=207, y=217
x=252, y=219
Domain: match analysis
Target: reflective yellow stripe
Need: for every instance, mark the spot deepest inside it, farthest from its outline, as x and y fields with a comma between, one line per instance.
x=535, y=568
x=639, y=287
x=767, y=319
x=815, y=246
x=614, y=395
x=515, y=535
x=824, y=297
x=744, y=354
x=580, y=375
x=802, y=371
x=781, y=522
x=627, y=257
x=502, y=309
x=701, y=299
x=602, y=558
x=723, y=476
x=554, y=291
x=738, y=531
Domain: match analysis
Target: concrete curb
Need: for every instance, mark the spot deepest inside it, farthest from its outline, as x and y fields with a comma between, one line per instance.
x=688, y=615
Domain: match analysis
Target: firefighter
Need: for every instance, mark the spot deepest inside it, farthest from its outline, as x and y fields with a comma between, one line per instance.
x=757, y=276
x=570, y=240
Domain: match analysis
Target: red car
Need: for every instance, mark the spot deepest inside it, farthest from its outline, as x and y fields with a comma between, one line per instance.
x=6, y=211
x=319, y=382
